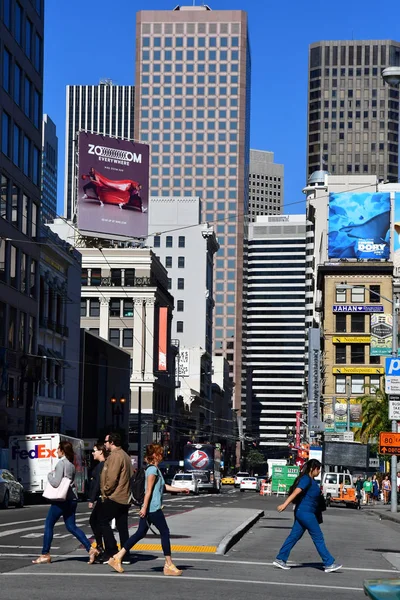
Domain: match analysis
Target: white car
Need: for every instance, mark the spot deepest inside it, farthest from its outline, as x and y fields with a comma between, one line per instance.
x=248, y=483
x=239, y=476
x=186, y=480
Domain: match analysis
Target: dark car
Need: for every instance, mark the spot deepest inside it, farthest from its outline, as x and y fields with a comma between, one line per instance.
x=11, y=490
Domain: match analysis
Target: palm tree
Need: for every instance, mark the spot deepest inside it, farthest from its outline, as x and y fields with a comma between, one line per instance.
x=375, y=415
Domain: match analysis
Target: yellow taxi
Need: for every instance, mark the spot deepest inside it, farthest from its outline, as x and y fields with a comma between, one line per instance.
x=228, y=480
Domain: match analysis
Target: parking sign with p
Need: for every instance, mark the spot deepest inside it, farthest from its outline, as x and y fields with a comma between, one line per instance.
x=392, y=367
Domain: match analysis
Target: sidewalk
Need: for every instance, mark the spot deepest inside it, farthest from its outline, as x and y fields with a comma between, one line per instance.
x=383, y=511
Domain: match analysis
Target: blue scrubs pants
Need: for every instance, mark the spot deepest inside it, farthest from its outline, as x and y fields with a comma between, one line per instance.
x=306, y=521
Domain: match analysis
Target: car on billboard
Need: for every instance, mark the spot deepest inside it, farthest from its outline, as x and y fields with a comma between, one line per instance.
x=359, y=225
x=113, y=187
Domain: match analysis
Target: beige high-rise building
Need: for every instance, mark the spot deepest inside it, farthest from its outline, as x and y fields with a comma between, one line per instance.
x=192, y=104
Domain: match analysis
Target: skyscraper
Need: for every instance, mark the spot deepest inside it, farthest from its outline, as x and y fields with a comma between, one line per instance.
x=105, y=108
x=274, y=357
x=21, y=89
x=192, y=107
x=49, y=169
x=265, y=185
x=353, y=116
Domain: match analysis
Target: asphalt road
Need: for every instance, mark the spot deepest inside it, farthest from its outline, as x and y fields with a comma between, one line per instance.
x=358, y=539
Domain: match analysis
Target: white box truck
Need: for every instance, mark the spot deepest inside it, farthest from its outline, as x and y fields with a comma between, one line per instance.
x=32, y=457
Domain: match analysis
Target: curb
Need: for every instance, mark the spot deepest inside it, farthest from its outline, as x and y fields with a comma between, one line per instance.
x=234, y=536
x=385, y=516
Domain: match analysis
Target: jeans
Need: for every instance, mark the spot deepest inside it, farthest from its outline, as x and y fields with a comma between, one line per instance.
x=67, y=510
x=94, y=523
x=158, y=520
x=306, y=521
x=110, y=510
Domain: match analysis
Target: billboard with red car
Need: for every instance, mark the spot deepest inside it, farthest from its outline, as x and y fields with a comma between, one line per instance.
x=113, y=187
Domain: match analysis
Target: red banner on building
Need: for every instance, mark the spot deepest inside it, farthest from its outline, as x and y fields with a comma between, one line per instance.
x=162, y=338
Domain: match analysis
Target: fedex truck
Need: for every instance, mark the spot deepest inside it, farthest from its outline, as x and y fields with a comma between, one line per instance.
x=32, y=457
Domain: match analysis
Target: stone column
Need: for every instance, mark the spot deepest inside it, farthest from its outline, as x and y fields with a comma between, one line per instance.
x=104, y=317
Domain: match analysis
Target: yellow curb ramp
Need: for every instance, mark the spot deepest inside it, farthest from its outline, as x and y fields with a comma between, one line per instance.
x=176, y=548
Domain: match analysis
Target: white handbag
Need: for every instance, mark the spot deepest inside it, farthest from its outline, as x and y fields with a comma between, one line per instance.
x=57, y=493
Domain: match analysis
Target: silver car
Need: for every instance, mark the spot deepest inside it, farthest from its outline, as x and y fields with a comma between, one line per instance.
x=11, y=490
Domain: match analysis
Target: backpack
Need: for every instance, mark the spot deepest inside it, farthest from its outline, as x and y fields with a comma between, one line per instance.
x=137, y=485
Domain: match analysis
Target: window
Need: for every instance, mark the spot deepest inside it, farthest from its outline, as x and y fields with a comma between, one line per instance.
x=357, y=354
x=94, y=307
x=95, y=277
x=357, y=384
x=181, y=262
x=17, y=84
x=114, y=307
x=181, y=241
x=179, y=326
x=357, y=323
x=128, y=308
x=374, y=381
x=27, y=152
x=358, y=294
x=83, y=307
x=7, y=71
x=28, y=38
x=181, y=283
x=180, y=306
x=5, y=134
x=374, y=293
x=169, y=283
x=127, y=338
x=340, y=294
x=84, y=277
x=130, y=277
x=168, y=241
x=15, y=212
x=18, y=23
x=36, y=109
x=168, y=262
x=94, y=330
x=113, y=336
x=27, y=99
x=157, y=241
x=13, y=267
x=116, y=277
x=373, y=360
x=340, y=384
x=7, y=13
x=36, y=166
x=340, y=323
x=340, y=354
x=38, y=53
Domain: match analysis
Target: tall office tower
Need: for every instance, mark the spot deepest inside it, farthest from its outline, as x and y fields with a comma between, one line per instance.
x=274, y=358
x=105, y=108
x=265, y=185
x=49, y=169
x=21, y=89
x=192, y=107
x=353, y=116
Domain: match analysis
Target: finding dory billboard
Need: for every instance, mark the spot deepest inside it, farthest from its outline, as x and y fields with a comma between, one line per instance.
x=359, y=225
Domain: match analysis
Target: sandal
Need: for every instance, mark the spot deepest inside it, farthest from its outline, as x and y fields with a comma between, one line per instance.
x=172, y=571
x=93, y=554
x=43, y=559
x=116, y=565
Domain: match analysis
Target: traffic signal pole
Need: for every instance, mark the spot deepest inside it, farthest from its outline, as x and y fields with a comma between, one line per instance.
x=393, y=496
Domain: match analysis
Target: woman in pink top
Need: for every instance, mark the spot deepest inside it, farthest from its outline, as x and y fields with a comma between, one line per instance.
x=386, y=488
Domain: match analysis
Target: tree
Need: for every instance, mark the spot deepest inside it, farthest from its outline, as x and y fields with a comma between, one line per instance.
x=375, y=415
x=254, y=458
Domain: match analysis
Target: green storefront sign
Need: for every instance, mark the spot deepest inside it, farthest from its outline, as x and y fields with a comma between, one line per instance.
x=283, y=475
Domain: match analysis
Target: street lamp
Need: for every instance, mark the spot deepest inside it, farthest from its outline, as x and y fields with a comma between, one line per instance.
x=395, y=313
x=117, y=408
x=193, y=434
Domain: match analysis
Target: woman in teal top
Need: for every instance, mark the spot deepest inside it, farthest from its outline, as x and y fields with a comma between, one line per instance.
x=151, y=512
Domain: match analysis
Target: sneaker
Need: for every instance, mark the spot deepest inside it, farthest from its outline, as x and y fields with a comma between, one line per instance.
x=281, y=564
x=331, y=568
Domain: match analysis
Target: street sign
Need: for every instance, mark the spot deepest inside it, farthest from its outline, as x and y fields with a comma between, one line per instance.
x=374, y=463
x=392, y=385
x=389, y=443
x=394, y=409
x=392, y=366
x=348, y=436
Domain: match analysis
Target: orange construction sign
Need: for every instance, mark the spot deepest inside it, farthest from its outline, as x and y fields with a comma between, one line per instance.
x=389, y=443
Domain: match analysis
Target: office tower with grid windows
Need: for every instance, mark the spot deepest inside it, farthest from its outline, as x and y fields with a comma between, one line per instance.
x=49, y=169
x=105, y=108
x=353, y=116
x=265, y=185
x=192, y=106
x=21, y=89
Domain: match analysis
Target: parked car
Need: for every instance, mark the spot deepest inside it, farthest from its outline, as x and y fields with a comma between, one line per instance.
x=11, y=490
x=239, y=476
x=248, y=483
x=186, y=480
x=228, y=480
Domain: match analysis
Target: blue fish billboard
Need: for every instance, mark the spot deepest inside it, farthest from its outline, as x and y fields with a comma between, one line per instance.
x=359, y=225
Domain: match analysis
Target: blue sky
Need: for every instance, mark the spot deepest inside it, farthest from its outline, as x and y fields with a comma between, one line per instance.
x=85, y=41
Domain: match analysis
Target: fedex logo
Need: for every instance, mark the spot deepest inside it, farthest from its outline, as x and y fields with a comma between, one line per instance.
x=39, y=451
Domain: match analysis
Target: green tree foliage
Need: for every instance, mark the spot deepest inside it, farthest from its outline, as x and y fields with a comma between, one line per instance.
x=375, y=415
x=254, y=458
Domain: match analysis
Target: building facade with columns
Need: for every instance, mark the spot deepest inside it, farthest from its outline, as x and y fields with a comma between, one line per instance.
x=125, y=300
